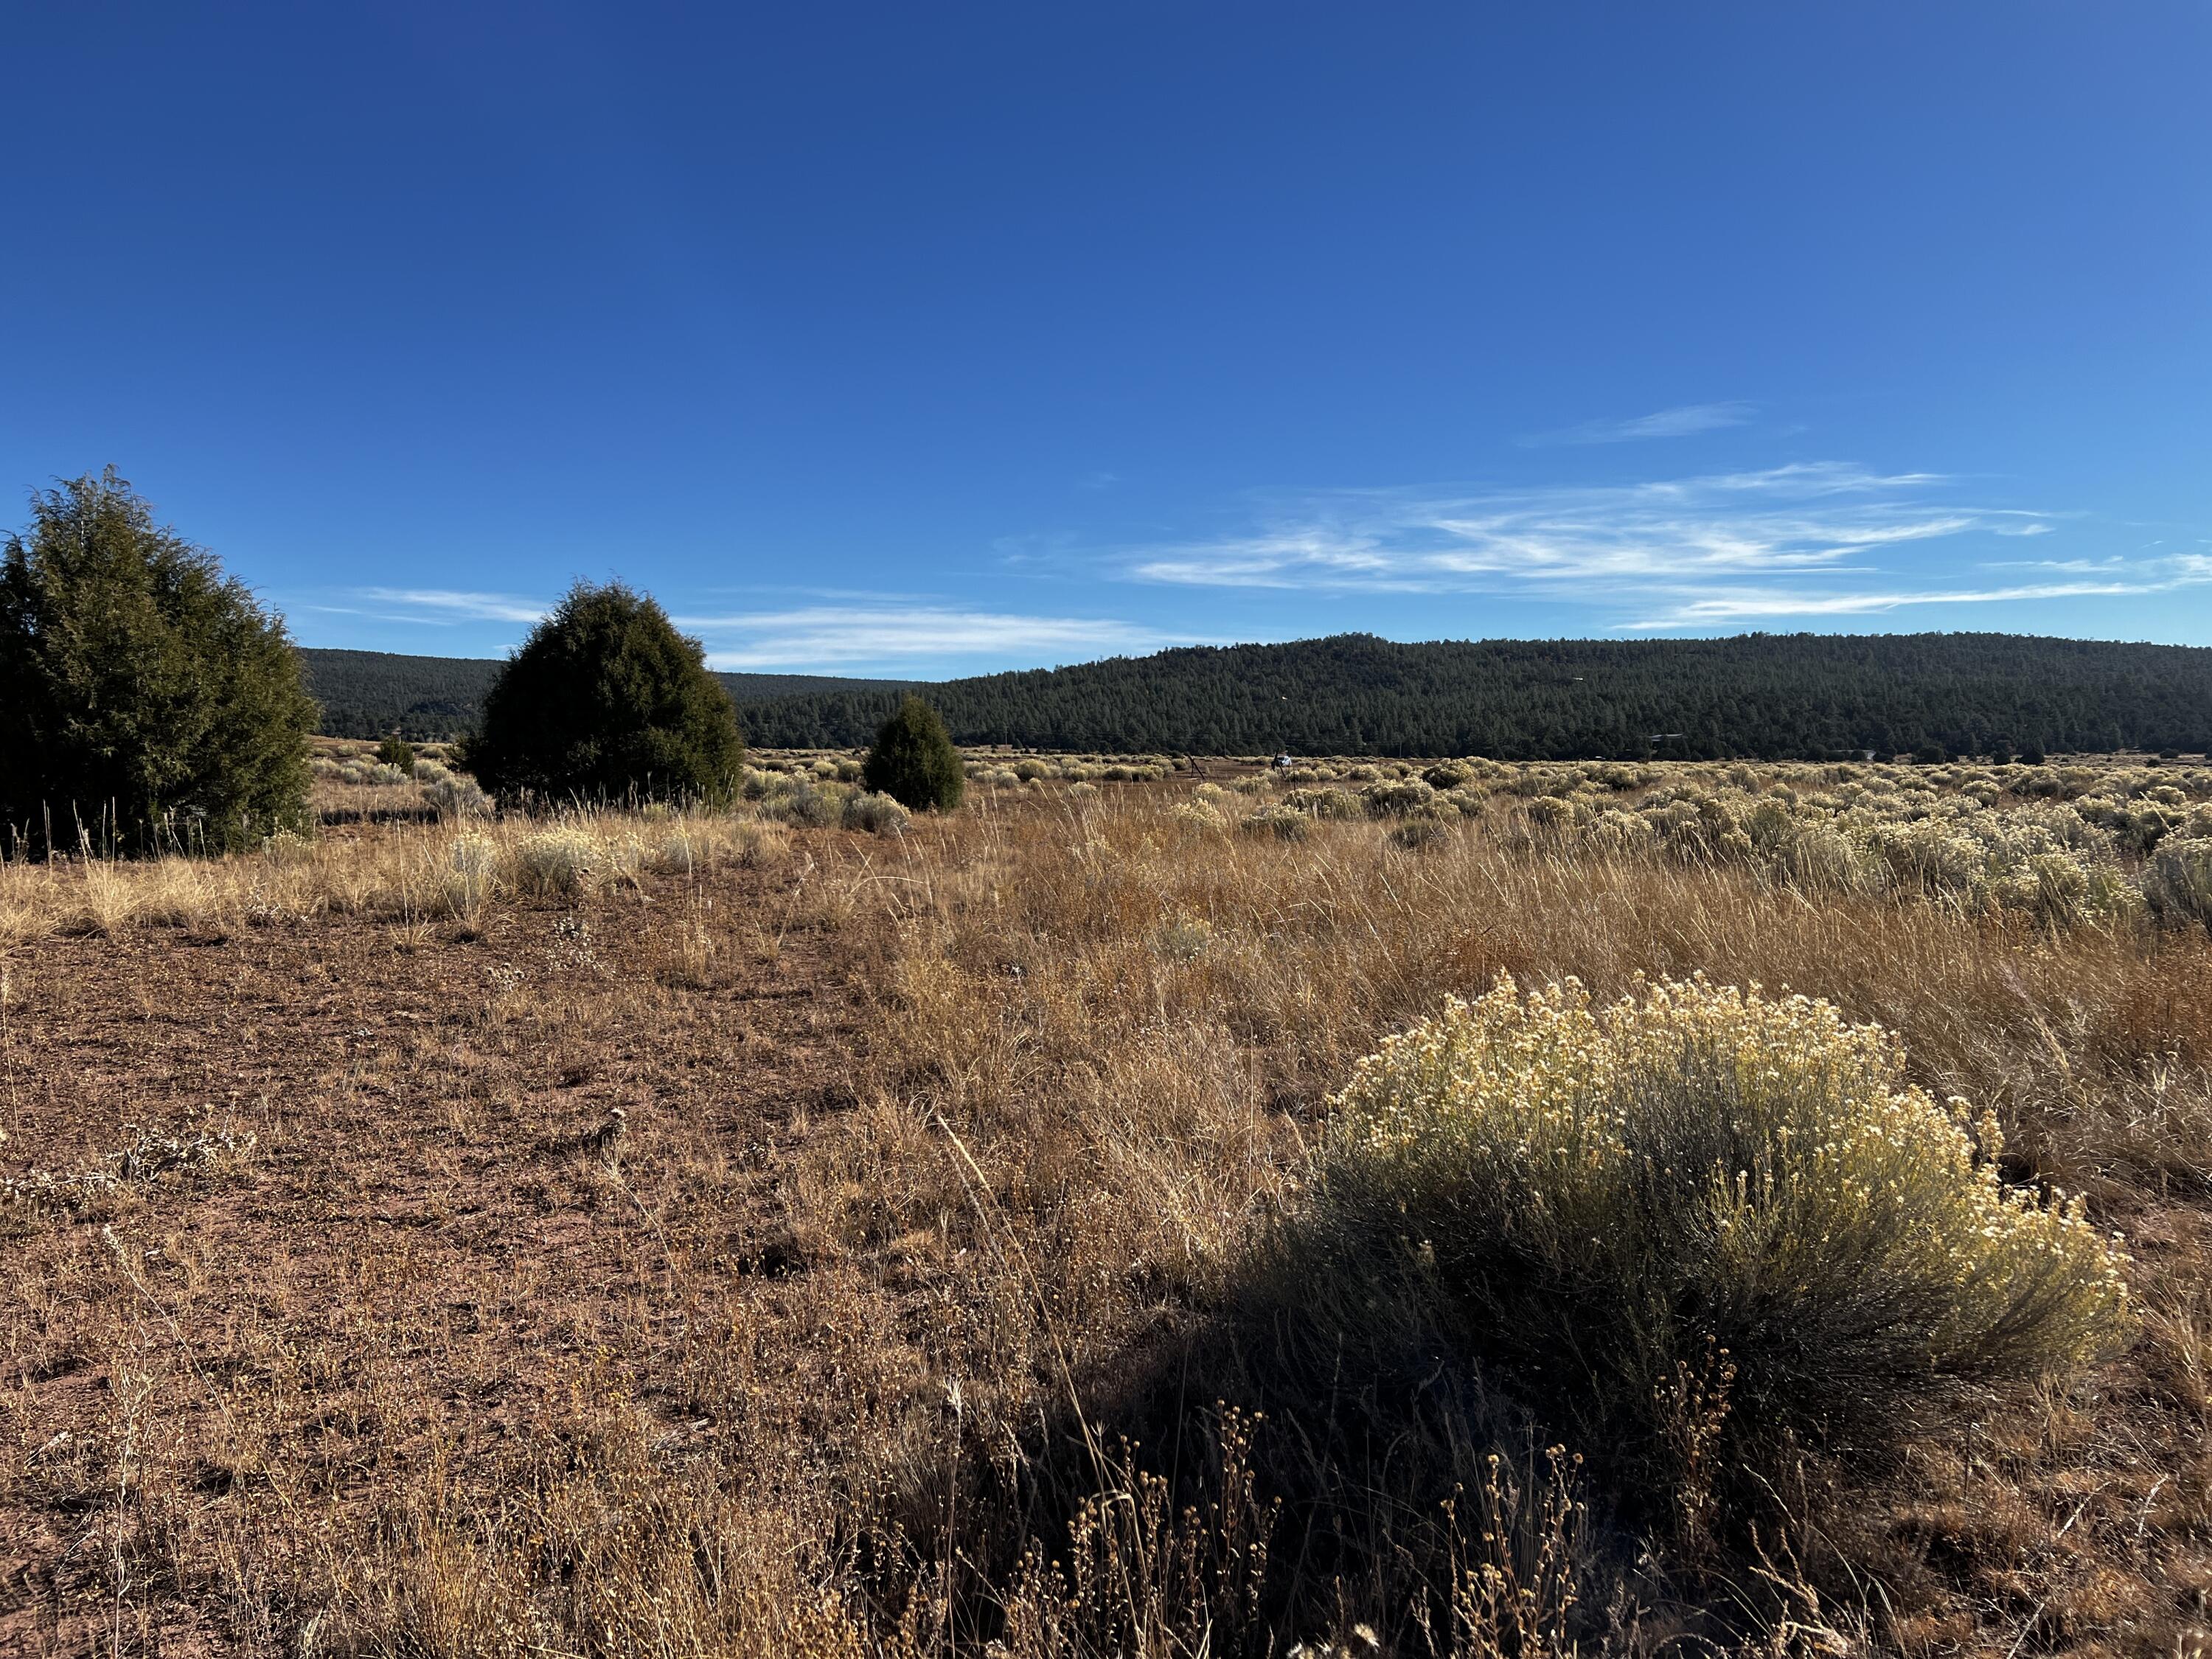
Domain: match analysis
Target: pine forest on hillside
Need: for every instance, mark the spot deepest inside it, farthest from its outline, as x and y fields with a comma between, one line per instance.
x=1778, y=696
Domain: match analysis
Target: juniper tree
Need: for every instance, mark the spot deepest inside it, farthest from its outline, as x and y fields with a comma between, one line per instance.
x=146, y=700
x=914, y=761
x=606, y=700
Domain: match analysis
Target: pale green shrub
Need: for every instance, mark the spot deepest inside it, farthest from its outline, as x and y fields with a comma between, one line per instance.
x=805, y=805
x=877, y=814
x=454, y=796
x=754, y=845
x=1183, y=938
x=1283, y=822
x=371, y=774
x=2178, y=881
x=1396, y=797
x=1426, y=828
x=559, y=862
x=1467, y=801
x=1818, y=858
x=1602, y=1204
x=1548, y=818
x=470, y=876
x=1198, y=815
x=675, y=850
x=1615, y=831
x=1326, y=803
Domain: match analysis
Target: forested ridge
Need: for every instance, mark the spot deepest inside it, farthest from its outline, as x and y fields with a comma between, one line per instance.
x=1782, y=696
x=367, y=694
x=1794, y=695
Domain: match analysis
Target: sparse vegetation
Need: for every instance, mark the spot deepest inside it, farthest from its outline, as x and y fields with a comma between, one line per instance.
x=1000, y=1239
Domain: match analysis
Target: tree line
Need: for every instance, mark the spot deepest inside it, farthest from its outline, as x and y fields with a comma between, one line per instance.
x=1759, y=696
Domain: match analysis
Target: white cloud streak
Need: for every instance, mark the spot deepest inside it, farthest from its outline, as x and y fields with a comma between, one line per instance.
x=1807, y=516
x=1684, y=421
x=917, y=634
x=448, y=605
x=881, y=628
x=2146, y=577
x=1810, y=540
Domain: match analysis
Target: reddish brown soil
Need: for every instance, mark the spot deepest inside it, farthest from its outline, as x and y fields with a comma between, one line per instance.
x=423, y=1222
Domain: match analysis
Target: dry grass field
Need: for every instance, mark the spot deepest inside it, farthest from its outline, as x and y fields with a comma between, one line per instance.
x=650, y=1233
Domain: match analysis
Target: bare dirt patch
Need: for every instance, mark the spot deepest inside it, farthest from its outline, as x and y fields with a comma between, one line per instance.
x=419, y=1229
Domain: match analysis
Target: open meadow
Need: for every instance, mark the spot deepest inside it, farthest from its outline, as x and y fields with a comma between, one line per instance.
x=814, y=1228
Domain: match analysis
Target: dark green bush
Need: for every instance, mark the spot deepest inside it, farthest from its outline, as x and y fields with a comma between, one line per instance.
x=606, y=700
x=914, y=761
x=396, y=751
x=146, y=701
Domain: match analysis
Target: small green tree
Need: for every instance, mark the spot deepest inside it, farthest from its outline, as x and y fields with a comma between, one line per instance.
x=396, y=751
x=606, y=699
x=146, y=701
x=914, y=761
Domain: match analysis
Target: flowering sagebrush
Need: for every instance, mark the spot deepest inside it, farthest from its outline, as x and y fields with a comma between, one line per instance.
x=559, y=861
x=877, y=814
x=2179, y=880
x=1281, y=822
x=1593, y=1198
x=1202, y=815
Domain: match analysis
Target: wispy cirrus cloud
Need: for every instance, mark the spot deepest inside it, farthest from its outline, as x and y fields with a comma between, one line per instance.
x=446, y=605
x=1806, y=516
x=1810, y=539
x=919, y=634
x=1685, y=421
x=1754, y=604
x=887, y=630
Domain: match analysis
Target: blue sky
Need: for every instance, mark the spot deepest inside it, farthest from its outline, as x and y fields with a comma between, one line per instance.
x=931, y=339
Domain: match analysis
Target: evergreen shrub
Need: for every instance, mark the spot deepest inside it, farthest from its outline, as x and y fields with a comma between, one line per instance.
x=914, y=761
x=606, y=700
x=146, y=702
